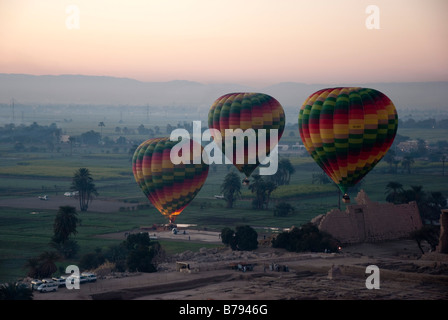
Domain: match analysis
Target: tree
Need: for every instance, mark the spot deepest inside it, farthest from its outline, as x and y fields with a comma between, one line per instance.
x=83, y=183
x=32, y=264
x=407, y=162
x=283, y=209
x=320, y=178
x=65, y=223
x=427, y=233
x=306, y=238
x=101, y=125
x=140, y=255
x=394, y=191
x=391, y=160
x=91, y=260
x=15, y=291
x=227, y=236
x=67, y=249
x=231, y=188
x=431, y=206
x=91, y=137
x=43, y=266
x=262, y=190
x=246, y=238
x=284, y=171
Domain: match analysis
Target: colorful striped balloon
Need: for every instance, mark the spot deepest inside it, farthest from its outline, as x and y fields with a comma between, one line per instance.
x=244, y=111
x=347, y=131
x=169, y=187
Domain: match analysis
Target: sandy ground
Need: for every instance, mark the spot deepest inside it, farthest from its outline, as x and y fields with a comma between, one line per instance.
x=404, y=275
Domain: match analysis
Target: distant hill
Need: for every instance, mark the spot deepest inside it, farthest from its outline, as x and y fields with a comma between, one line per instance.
x=81, y=89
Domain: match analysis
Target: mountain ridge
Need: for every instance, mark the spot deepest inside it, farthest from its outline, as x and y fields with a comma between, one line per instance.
x=108, y=90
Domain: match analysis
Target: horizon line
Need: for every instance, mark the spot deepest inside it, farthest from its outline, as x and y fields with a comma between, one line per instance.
x=217, y=82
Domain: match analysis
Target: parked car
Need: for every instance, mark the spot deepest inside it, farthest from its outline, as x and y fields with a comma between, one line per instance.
x=71, y=194
x=90, y=276
x=60, y=281
x=35, y=284
x=49, y=286
x=80, y=278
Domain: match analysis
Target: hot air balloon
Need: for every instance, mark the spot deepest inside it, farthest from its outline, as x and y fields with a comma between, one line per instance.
x=347, y=131
x=169, y=187
x=247, y=111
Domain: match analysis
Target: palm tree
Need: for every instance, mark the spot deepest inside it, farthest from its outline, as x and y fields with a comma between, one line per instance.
x=47, y=264
x=32, y=264
x=101, y=125
x=231, y=188
x=269, y=188
x=407, y=162
x=83, y=183
x=431, y=206
x=390, y=159
x=416, y=194
x=284, y=172
x=394, y=191
x=262, y=190
x=65, y=223
x=15, y=291
x=257, y=186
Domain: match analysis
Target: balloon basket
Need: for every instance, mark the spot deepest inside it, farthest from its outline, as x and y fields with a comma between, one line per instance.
x=346, y=198
x=245, y=182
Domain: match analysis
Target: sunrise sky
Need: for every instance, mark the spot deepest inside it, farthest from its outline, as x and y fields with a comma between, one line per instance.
x=254, y=42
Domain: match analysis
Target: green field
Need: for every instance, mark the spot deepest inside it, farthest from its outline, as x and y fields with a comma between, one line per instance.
x=23, y=235
x=25, y=174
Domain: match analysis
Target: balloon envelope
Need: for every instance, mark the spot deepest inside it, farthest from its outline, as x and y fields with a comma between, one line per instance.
x=347, y=131
x=246, y=111
x=169, y=187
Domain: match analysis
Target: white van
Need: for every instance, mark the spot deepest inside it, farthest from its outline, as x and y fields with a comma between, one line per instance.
x=49, y=286
x=90, y=276
x=35, y=284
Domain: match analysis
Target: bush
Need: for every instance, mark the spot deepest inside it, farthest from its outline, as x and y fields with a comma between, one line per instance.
x=140, y=259
x=283, y=209
x=91, y=261
x=227, y=235
x=306, y=238
x=245, y=238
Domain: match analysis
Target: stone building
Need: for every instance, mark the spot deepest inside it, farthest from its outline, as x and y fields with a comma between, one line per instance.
x=369, y=221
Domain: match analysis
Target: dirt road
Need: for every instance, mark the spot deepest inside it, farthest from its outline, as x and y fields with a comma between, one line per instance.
x=54, y=202
x=404, y=275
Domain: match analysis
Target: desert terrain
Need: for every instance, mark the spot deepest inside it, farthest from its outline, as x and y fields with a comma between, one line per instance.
x=277, y=275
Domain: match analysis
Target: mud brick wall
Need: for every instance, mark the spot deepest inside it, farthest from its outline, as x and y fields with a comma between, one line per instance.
x=368, y=221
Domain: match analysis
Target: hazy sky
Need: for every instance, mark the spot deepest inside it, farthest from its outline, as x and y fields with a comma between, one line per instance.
x=255, y=42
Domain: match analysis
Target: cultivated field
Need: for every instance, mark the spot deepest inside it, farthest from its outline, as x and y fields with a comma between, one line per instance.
x=26, y=222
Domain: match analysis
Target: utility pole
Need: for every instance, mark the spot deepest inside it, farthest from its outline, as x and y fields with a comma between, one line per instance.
x=12, y=108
